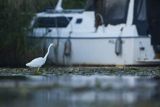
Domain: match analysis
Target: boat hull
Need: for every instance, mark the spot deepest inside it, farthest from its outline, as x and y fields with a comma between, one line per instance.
x=101, y=51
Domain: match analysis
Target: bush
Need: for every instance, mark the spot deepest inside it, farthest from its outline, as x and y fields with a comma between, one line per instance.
x=14, y=19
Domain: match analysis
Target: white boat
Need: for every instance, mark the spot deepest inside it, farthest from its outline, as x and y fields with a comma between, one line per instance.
x=81, y=40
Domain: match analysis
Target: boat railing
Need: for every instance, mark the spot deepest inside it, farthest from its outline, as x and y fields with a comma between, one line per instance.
x=99, y=21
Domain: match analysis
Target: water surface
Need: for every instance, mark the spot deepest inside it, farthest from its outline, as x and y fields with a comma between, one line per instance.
x=72, y=90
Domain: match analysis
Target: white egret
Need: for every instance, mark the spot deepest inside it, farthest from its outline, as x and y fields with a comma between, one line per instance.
x=38, y=62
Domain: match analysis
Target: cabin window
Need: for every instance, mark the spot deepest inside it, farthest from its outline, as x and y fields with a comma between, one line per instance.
x=79, y=21
x=46, y=22
x=113, y=11
x=117, y=11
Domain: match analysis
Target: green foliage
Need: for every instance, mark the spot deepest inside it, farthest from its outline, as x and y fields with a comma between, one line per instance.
x=76, y=4
x=13, y=24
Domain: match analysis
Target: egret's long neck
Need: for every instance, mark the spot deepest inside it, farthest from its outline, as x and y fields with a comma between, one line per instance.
x=47, y=52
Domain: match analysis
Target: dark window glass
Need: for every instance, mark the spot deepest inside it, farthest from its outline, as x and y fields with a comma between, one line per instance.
x=79, y=21
x=116, y=11
x=113, y=11
x=45, y=22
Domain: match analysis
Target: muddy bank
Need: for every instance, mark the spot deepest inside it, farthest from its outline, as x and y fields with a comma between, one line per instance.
x=134, y=71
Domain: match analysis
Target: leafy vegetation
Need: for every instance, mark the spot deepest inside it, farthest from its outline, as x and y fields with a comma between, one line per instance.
x=13, y=22
x=78, y=4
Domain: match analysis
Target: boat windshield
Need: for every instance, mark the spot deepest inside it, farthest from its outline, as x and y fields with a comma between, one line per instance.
x=46, y=22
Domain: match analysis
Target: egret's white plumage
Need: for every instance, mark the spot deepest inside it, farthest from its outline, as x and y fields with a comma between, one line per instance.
x=38, y=62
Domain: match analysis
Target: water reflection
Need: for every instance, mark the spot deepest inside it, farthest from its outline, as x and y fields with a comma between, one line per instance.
x=79, y=91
